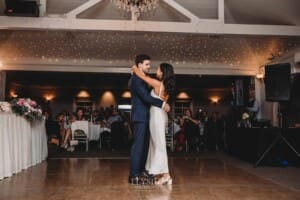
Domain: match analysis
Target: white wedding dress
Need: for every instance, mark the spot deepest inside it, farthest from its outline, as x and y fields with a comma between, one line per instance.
x=157, y=160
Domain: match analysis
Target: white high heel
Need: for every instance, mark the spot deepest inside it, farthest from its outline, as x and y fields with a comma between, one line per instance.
x=164, y=181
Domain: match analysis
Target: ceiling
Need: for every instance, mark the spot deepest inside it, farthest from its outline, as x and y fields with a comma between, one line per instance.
x=53, y=47
x=183, y=50
x=273, y=12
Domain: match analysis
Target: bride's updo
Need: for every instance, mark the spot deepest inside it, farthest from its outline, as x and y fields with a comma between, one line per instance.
x=168, y=77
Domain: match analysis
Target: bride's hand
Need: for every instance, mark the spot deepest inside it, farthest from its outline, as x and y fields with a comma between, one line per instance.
x=166, y=107
x=133, y=68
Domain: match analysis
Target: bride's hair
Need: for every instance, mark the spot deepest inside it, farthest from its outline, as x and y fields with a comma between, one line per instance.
x=168, y=77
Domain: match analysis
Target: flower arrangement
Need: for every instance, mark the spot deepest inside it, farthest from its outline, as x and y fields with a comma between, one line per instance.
x=245, y=116
x=245, y=121
x=5, y=107
x=27, y=108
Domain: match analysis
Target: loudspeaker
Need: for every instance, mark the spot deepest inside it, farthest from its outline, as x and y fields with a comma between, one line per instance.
x=277, y=82
x=22, y=8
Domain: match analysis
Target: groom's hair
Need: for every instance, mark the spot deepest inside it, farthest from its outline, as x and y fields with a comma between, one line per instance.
x=141, y=58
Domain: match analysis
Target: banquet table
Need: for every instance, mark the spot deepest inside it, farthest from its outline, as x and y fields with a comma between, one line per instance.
x=95, y=130
x=22, y=144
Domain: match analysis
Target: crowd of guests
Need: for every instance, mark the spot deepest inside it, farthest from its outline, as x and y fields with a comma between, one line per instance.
x=60, y=127
x=200, y=132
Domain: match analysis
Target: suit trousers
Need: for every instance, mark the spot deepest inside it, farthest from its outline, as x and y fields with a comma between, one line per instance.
x=139, y=149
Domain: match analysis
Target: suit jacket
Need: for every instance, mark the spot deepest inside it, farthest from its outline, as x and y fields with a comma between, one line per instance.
x=141, y=99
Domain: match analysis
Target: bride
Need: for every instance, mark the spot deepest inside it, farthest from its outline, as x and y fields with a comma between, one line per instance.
x=163, y=86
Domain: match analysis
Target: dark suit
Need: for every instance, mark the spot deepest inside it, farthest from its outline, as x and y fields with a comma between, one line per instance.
x=141, y=101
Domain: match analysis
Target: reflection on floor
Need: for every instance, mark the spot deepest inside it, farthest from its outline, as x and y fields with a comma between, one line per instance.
x=97, y=179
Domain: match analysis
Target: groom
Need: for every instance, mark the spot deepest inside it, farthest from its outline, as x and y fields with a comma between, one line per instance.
x=141, y=102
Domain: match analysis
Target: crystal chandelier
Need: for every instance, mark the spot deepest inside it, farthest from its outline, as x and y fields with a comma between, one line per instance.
x=139, y=5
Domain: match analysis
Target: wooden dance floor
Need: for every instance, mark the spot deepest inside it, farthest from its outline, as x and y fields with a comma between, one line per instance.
x=95, y=179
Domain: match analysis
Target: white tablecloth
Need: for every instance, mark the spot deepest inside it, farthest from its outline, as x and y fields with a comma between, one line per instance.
x=95, y=130
x=22, y=144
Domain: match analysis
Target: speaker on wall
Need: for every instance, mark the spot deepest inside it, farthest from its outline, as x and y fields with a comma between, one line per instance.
x=22, y=8
x=277, y=82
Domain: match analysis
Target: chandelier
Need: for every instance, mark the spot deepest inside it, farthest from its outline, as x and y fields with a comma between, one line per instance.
x=136, y=5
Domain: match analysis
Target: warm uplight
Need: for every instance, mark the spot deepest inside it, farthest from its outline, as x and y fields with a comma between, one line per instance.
x=83, y=94
x=183, y=95
x=215, y=99
x=260, y=76
x=126, y=95
x=13, y=94
x=49, y=97
x=1, y=65
x=107, y=99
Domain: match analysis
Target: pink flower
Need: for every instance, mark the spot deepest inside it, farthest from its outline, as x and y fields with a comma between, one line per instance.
x=21, y=102
x=32, y=103
x=5, y=107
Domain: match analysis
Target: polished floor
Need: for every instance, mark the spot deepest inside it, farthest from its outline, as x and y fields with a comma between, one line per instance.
x=95, y=179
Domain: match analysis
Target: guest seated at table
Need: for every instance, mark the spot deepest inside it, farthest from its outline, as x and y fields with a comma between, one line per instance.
x=115, y=122
x=64, y=128
x=80, y=114
x=52, y=129
x=96, y=118
x=68, y=133
x=62, y=131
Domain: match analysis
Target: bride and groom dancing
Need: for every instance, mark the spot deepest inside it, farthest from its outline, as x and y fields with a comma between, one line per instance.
x=149, y=160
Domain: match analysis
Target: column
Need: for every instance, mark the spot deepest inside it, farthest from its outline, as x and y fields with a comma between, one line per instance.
x=2, y=85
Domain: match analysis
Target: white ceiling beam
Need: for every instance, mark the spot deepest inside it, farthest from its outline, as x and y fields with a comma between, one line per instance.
x=182, y=10
x=123, y=66
x=202, y=27
x=201, y=70
x=221, y=11
x=73, y=13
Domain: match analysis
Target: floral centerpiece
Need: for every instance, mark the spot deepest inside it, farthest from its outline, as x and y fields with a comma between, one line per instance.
x=5, y=107
x=27, y=108
x=245, y=121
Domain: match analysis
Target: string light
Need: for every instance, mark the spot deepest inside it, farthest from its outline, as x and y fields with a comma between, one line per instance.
x=85, y=46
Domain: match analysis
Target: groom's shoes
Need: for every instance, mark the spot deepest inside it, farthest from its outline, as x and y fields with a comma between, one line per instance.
x=135, y=180
x=140, y=180
x=146, y=174
x=149, y=179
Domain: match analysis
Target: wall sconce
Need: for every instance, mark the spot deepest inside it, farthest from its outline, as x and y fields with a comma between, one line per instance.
x=259, y=76
x=83, y=94
x=215, y=99
x=126, y=95
x=49, y=97
x=13, y=94
x=261, y=72
x=107, y=99
x=182, y=95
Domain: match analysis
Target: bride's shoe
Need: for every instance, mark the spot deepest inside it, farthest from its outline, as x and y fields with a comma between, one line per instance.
x=164, y=180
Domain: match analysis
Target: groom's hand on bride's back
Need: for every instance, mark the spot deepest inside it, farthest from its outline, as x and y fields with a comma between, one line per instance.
x=167, y=107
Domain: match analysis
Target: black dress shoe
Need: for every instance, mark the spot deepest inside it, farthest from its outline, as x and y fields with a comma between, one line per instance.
x=146, y=174
x=134, y=180
x=148, y=179
x=140, y=180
